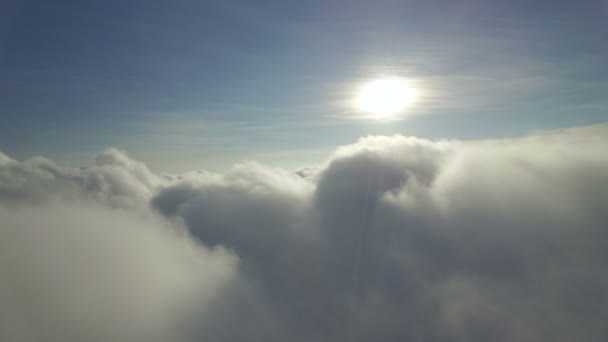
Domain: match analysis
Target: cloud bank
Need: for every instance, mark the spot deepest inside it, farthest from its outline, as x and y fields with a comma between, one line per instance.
x=393, y=238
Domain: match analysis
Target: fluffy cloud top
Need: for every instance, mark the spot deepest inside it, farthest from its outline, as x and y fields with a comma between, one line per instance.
x=394, y=238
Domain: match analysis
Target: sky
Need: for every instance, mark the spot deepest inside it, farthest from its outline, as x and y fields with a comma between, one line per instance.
x=204, y=84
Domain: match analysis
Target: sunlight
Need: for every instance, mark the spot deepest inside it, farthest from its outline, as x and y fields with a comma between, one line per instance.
x=385, y=97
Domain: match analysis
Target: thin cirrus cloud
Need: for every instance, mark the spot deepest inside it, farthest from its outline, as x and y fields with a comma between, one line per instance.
x=393, y=238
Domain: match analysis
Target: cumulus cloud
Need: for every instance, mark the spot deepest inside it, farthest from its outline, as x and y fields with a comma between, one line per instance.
x=88, y=273
x=393, y=238
x=82, y=258
x=114, y=178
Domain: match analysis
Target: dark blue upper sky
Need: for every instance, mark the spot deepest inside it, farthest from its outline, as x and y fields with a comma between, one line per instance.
x=188, y=84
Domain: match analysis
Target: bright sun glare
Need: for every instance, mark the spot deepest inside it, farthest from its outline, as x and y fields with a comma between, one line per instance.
x=384, y=97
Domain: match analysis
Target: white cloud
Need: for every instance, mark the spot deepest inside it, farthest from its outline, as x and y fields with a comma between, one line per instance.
x=82, y=258
x=395, y=238
x=114, y=179
x=87, y=273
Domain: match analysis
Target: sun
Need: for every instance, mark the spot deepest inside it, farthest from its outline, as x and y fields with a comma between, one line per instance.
x=384, y=97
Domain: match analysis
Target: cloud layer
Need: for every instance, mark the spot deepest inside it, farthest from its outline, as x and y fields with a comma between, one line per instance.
x=394, y=238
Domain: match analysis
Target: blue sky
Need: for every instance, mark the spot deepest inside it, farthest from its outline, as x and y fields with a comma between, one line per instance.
x=204, y=84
